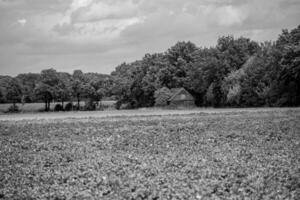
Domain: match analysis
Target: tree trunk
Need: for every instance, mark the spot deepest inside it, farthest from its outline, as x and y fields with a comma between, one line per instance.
x=62, y=104
x=46, y=105
x=78, y=102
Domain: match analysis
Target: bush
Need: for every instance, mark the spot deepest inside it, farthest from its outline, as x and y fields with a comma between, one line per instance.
x=90, y=105
x=162, y=96
x=13, y=109
x=125, y=106
x=58, y=107
x=118, y=105
x=69, y=106
x=26, y=99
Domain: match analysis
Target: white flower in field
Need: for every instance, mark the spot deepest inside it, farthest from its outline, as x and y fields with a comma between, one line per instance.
x=198, y=196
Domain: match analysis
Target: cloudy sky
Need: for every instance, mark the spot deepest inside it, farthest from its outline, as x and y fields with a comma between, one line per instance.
x=97, y=35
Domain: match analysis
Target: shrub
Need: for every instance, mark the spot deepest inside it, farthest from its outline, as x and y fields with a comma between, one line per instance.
x=26, y=99
x=107, y=107
x=118, y=105
x=90, y=105
x=125, y=106
x=234, y=94
x=162, y=96
x=69, y=106
x=58, y=107
x=13, y=109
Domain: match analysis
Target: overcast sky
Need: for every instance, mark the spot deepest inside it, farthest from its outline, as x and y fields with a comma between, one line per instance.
x=98, y=35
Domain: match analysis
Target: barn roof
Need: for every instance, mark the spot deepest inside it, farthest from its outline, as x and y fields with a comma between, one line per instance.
x=177, y=91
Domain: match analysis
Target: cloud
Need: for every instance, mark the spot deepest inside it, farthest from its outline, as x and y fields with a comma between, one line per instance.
x=98, y=19
x=22, y=21
x=97, y=35
x=98, y=11
x=229, y=15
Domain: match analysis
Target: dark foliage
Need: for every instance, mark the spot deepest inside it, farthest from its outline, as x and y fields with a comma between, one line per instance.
x=90, y=105
x=58, y=107
x=13, y=109
x=69, y=106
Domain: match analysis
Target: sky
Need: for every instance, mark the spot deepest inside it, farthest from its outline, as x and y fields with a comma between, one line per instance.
x=98, y=35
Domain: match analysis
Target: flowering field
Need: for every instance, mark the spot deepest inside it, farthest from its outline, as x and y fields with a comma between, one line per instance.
x=233, y=155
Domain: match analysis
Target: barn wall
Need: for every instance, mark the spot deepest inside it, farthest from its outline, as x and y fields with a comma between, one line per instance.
x=185, y=103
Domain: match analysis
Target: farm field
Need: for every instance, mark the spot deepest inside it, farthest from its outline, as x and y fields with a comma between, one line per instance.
x=200, y=154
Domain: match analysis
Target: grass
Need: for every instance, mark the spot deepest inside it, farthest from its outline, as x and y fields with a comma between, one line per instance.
x=232, y=155
x=36, y=107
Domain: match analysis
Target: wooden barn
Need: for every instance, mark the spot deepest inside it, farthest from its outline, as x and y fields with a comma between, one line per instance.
x=180, y=97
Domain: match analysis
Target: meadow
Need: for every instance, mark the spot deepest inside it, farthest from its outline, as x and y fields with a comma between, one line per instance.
x=233, y=154
x=39, y=107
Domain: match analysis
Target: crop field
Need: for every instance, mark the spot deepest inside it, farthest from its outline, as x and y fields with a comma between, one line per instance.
x=225, y=155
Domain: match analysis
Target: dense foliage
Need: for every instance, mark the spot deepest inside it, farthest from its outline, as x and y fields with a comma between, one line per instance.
x=236, y=72
x=240, y=155
x=50, y=85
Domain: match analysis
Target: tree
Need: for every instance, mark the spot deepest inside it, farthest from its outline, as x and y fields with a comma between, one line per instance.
x=14, y=92
x=77, y=90
x=235, y=52
x=28, y=82
x=162, y=96
x=1, y=97
x=180, y=57
x=202, y=73
x=64, y=91
x=50, y=77
x=289, y=78
x=290, y=74
x=48, y=87
x=80, y=86
x=206, y=75
x=100, y=93
x=78, y=75
x=44, y=92
x=125, y=83
x=181, y=50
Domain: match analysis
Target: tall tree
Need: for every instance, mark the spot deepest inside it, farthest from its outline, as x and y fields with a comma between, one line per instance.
x=1, y=97
x=77, y=90
x=29, y=82
x=64, y=91
x=78, y=85
x=14, y=92
x=44, y=92
x=48, y=86
x=289, y=78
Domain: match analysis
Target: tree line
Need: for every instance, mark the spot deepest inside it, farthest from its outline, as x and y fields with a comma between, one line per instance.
x=237, y=72
x=50, y=85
